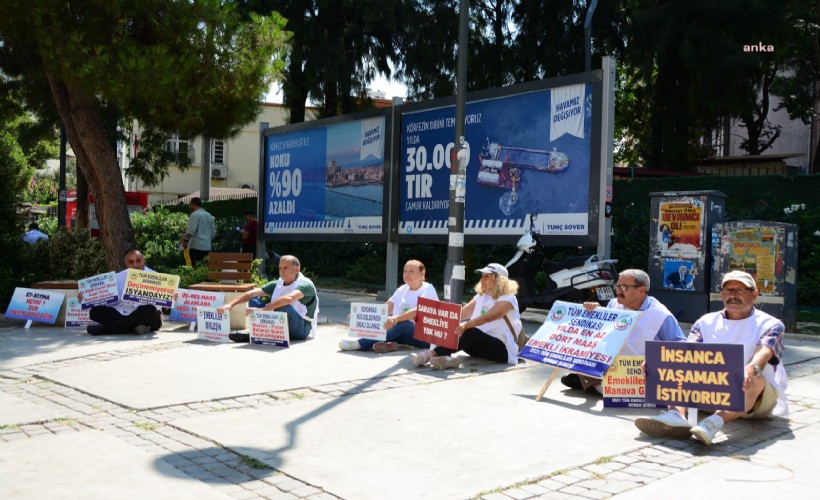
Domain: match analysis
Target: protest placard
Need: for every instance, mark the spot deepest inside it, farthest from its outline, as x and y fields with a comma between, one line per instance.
x=269, y=328
x=75, y=315
x=578, y=340
x=624, y=384
x=98, y=290
x=212, y=326
x=436, y=322
x=188, y=301
x=35, y=305
x=695, y=375
x=367, y=321
x=150, y=288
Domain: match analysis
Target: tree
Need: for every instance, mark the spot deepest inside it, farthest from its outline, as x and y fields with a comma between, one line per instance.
x=192, y=67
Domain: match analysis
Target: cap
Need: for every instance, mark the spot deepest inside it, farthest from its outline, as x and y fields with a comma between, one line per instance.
x=740, y=276
x=494, y=269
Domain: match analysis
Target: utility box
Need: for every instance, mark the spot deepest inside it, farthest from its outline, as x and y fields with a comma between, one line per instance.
x=767, y=251
x=680, y=242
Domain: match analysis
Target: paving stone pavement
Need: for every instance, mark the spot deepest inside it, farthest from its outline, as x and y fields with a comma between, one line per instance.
x=240, y=476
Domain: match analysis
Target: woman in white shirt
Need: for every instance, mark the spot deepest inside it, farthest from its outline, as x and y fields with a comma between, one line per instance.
x=486, y=334
x=401, y=314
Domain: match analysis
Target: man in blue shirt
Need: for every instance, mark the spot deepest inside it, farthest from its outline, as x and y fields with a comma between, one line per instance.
x=200, y=232
x=655, y=323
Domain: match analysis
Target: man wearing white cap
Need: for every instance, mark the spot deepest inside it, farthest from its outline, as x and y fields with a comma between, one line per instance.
x=764, y=381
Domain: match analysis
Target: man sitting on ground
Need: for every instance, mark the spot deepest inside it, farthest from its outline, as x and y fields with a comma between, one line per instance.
x=293, y=293
x=125, y=317
x=654, y=323
x=764, y=379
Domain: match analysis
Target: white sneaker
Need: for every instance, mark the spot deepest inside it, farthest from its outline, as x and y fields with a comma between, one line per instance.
x=348, y=344
x=668, y=424
x=421, y=358
x=444, y=362
x=707, y=428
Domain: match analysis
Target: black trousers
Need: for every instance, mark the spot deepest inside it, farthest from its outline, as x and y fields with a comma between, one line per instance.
x=479, y=345
x=117, y=323
x=249, y=249
x=198, y=256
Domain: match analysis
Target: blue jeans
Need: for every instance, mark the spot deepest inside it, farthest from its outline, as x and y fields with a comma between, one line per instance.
x=401, y=333
x=298, y=327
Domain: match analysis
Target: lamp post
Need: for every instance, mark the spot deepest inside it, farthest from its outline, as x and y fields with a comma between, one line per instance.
x=459, y=157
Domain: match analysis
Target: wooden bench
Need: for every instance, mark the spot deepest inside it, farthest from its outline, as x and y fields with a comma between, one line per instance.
x=224, y=270
x=68, y=287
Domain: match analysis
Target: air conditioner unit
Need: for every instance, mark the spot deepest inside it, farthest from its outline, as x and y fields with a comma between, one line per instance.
x=247, y=186
x=219, y=172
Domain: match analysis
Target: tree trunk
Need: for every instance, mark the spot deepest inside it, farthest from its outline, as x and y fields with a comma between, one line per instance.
x=97, y=161
x=81, y=221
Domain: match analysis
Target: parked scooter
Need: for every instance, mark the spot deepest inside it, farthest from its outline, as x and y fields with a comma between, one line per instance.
x=578, y=279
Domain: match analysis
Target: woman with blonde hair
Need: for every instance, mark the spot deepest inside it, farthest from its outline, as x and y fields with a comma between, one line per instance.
x=488, y=333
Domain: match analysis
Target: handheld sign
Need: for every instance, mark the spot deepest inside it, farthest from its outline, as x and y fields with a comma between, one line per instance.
x=695, y=375
x=578, y=340
x=35, y=305
x=150, y=288
x=625, y=384
x=269, y=328
x=75, y=315
x=212, y=326
x=99, y=289
x=436, y=322
x=189, y=301
x=367, y=321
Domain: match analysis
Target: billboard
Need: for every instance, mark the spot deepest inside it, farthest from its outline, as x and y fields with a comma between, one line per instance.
x=325, y=179
x=529, y=162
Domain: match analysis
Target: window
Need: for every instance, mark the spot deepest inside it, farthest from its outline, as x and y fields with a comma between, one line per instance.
x=175, y=144
x=217, y=152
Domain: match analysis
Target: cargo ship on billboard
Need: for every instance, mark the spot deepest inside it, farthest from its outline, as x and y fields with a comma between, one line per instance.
x=502, y=166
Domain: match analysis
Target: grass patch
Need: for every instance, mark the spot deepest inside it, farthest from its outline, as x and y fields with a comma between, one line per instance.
x=9, y=427
x=66, y=421
x=146, y=426
x=603, y=460
x=297, y=395
x=254, y=463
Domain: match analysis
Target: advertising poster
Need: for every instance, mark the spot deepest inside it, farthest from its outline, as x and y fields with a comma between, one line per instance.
x=185, y=307
x=578, y=340
x=528, y=159
x=212, y=326
x=679, y=228
x=695, y=375
x=326, y=180
x=755, y=250
x=35, y=305
x=150, y=288
x=436, y=322
x=367, y=321
x=76, y=315
x=98, y=290
x=269, y=328
x=625, y=384
x=679, y=274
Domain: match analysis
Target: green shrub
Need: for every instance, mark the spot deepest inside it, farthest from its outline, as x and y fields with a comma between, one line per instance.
x=64, y=255
x=157, y=234
x=190, y=275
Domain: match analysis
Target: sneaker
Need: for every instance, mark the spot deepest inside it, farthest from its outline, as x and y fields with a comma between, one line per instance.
x=97, y=329
x=707, y=428
x=240, y=337
x=668, y=424
x=383, y=347
x=573, y=381
x=444, y=362
x=421, y=358
x=142, y=329
x=348, y=344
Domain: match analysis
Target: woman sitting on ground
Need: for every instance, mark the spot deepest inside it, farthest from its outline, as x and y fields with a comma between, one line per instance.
x=401, y=314
x=486, y=334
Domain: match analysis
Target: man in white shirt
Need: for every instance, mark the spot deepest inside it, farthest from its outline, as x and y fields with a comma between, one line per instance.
x=33, y=235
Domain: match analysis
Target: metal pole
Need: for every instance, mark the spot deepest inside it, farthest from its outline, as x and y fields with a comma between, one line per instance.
x=260, y=201
x=459, y=155
x=63, y=197
x=588, y=36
